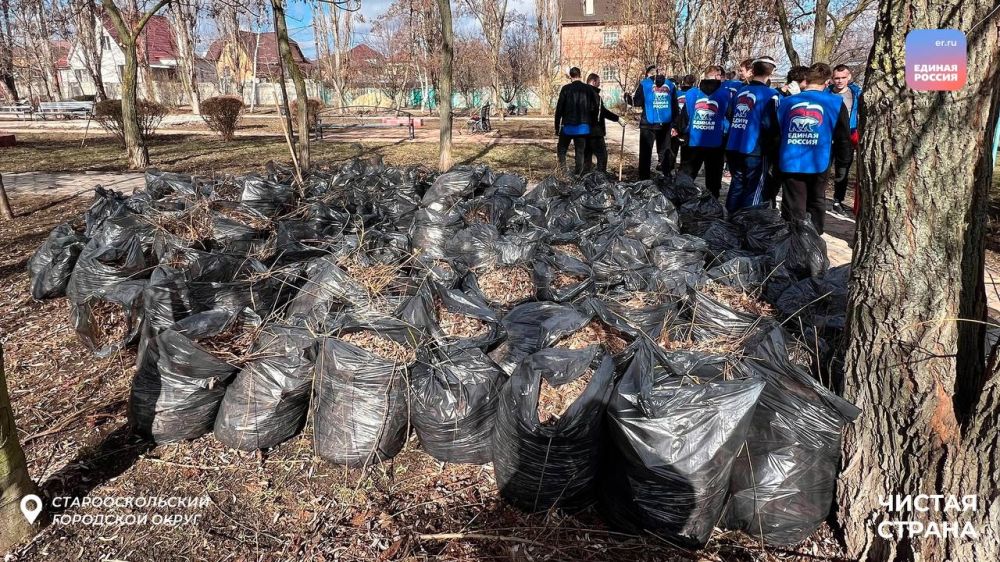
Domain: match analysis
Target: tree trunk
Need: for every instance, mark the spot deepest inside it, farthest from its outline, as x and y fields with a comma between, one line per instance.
x=786, y=32
x=444, y=103
x=90, y=44
x=5, y=209
x=185, y=26
x=15, y=483
x=820, y=45
x=915, y=361
x=301, y=99
x=135, y=145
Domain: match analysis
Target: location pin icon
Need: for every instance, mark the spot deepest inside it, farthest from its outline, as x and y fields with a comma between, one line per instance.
x=31, y=507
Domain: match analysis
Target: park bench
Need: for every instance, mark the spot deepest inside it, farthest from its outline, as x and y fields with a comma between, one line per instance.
x=366, y=117
x=19, y=110
x=66, y=109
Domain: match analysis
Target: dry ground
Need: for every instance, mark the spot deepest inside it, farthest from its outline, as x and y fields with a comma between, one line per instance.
x=70, y=409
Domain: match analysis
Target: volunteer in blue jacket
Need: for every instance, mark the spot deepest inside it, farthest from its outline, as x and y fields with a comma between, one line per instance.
x=750, y=148
x=850, y=92
x=576, y=112
x=813, y=128
x=739, y=79
x=657, y=98
x=704, y=122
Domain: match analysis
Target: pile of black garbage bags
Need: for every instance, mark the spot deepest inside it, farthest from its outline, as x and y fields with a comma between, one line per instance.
x=674, y=442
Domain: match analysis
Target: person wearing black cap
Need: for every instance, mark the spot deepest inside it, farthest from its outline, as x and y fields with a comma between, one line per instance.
x=678, y=142
x=596, y=145
x=576, y=112
x=657, y=99
x=751, y=148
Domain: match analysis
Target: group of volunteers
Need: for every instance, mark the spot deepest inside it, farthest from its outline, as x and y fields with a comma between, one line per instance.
x=772, y=140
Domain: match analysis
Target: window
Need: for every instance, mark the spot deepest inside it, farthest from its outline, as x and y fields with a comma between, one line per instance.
x=609, y=74
x=105, y=42
x=78, y=74
x=588, y=7
x=610, y=37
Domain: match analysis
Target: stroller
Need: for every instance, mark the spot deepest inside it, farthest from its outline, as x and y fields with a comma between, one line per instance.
x=479, y=122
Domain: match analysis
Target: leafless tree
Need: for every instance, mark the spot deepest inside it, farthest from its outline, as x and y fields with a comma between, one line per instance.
x=829, y=21
x=547, y=55
x=89, y=44
x=471, y=57
x=518, y=60
x=7, y=50
x=444, y=105
x=492, y=16
x=185, y=15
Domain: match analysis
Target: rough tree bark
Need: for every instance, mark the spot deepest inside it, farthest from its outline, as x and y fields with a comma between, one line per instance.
x=14, y=480
x=916, y=359
x=5, y=210
x=786, y=32
x=444, y=101
x=7, y=51
x=135, y=146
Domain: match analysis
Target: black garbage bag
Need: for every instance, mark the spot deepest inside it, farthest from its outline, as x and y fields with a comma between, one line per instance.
x=361, y=405
x=671, y=446
x=523, y=325
x=794, y=446
x=698, y=214
x=761, y=226
x=634, y=313
x=327, y=289
x=108, y=204
x=619, y=260
x=159, y=184
x=432, y=228
x=111, y=319
x=268, y=401
x=702, y=317
x=177, y=390
x=454, y=318
x=721, y=236
x=266, y=196
x=101, y=266
x=682, y=190
x=539, y=466
x=510, y=185
x=454, y=185
x=453, y=403
x=746, y=274
x=561, y=277
x=802, y=252
x=50, y=267
x=652, y=227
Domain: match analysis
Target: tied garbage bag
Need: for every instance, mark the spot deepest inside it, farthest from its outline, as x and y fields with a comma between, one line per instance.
x=561, y=277
x=524, y=327
x=265, y=196
x=671, y=445
x=103, y=265
x=746, y=274
x=802, y=251
x=182, y=379
x=552, y=463
x=51, y=266
x=454, y=185
x=452, y=317
x=453, y=403
x=361, y=408
x=108, y=204
x=794, y=451
x=267, y=403
x=433, y=227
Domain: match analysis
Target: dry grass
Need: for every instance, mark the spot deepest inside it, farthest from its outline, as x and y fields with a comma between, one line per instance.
x=564, y=280
x=640, y=300
x=571, y=250
x=233, y=343
x=553, y=401
x=722, y=345
x=738, y=300
x=375, y=278
x=477, y=215
x=381, y=347
x=109, y=321
x=595, y=333
x=459, y=326
x=506, y=285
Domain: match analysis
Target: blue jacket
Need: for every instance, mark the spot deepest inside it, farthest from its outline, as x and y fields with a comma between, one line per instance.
x=733, y=86
x=813, y=126
x=659, y=105
x=856, y=90
x=706, y=117
x=751, y=118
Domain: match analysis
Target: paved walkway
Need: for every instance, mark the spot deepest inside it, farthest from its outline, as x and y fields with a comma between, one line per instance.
x=70, y=183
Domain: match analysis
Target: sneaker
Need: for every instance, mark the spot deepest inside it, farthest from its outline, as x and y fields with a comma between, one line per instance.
x=838, y=208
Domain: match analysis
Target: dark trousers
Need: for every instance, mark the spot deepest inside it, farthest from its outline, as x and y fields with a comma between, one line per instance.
x=596, y=146
x=804, y=197
x=579, y=150
x=748, y=181
x=713, y=159
x=680, y=148
x=840, y=187
x=647, y=138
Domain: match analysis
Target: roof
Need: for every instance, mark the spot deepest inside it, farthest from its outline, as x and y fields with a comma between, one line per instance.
x=158, y=40
x=572, y=12
x=267, y=50
x=361, y=54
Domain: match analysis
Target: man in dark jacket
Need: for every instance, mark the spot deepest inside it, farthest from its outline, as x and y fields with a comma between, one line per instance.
x=842, y=84
x=678, y=143
x=657, y=98
x=576, y=113
x=596, y=145
x=703, y=122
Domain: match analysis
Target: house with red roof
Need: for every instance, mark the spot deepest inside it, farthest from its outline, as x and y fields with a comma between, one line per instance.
x=252, y=55
x=157, y=51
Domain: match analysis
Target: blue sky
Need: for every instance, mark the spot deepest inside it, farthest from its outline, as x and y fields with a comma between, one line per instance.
x=299, y=16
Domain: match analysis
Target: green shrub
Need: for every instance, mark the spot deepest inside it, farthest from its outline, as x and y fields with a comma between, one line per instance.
x=222, y=114
x=109, y=114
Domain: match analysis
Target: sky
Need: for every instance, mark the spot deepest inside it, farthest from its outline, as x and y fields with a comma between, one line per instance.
x=299, y=17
